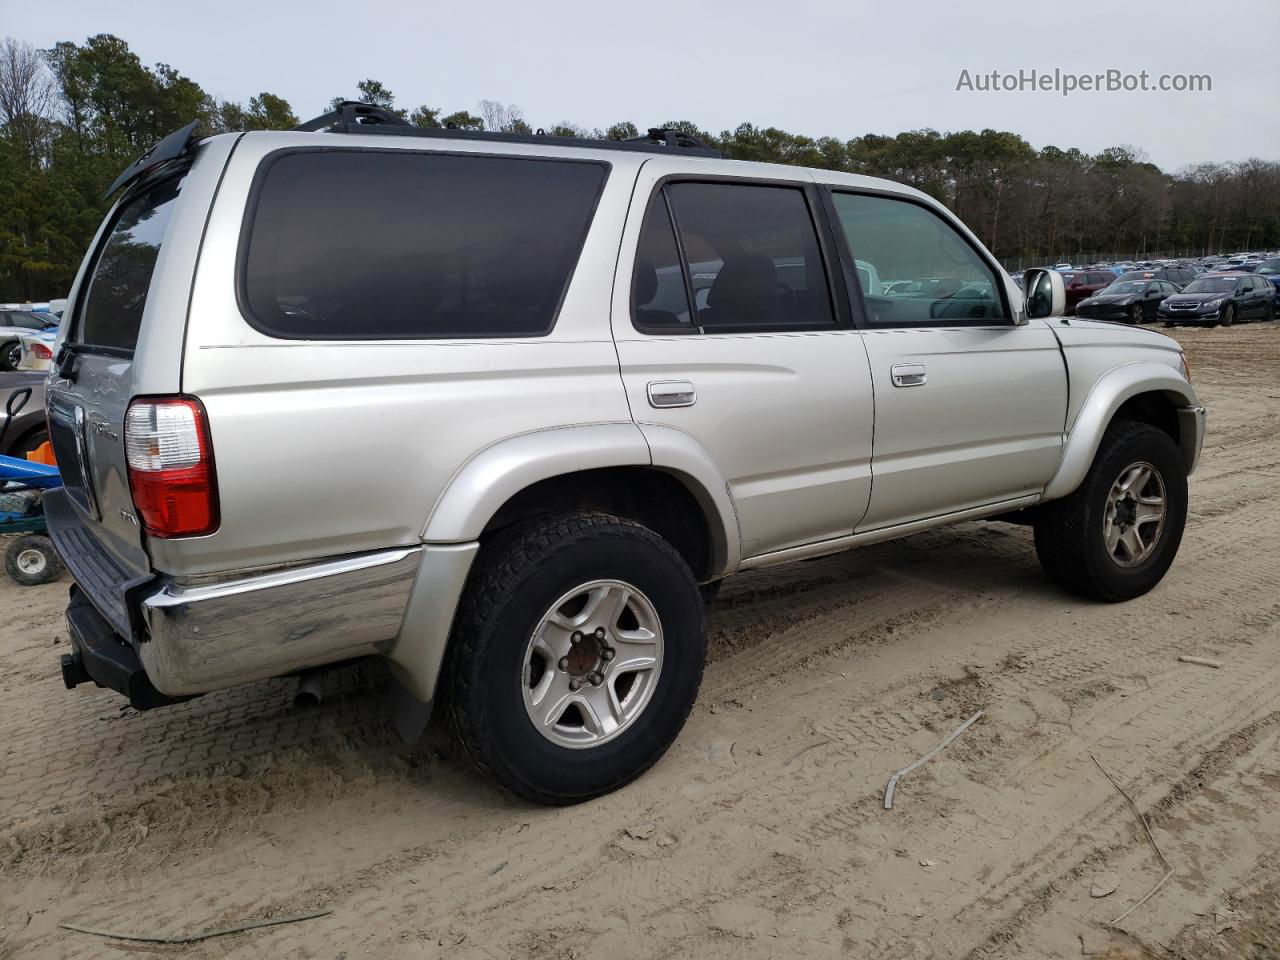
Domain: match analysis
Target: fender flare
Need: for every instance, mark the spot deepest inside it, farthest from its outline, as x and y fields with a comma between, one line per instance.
x=504, y=468
x=680, y=454
x=1106, y=396
x=499, y=472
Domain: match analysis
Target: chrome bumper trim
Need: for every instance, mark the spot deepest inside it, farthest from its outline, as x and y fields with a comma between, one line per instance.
x=210, y=636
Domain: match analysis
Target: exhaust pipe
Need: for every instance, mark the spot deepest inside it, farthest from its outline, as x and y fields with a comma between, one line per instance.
x=310, y=689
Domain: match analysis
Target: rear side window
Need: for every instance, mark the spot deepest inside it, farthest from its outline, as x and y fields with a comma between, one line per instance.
x=111, y=310
x=368, y=245
x=750, y=259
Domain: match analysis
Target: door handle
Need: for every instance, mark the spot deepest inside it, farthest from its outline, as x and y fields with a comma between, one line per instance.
x=672, y=393
x=909, y=374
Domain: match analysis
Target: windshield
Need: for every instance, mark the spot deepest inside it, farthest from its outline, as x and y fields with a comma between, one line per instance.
x=1124, y=286
x=1211, y=285
x=1269, y=266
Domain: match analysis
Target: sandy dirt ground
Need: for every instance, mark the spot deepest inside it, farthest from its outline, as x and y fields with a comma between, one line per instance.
x=762, y=833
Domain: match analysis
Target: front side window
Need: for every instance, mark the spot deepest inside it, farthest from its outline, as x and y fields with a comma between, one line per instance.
x=368, y=245
x=752, y=257
x=111, y=311
x=946, y=281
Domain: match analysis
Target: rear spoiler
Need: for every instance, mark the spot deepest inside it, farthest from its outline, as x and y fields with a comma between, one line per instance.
x=170, y=148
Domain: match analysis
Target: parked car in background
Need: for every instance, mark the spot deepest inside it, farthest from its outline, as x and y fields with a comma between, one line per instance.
x=1271, y=270
x=1180, y=276
x=1063, y=266
x=1084, y=283
x=29, y=428
x=1220, y=298
x=35, y=349
x=14, y=323
x=1130, y=301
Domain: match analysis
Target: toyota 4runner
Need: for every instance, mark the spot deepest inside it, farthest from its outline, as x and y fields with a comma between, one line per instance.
x=503, y=410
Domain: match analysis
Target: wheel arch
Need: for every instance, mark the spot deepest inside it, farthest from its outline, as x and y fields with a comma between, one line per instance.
x=1145, y=391
x=657, y=476
x=675, y=489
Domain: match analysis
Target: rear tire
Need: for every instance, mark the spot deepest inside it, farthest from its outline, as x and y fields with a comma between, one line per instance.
x=506, y=673
x=10, y=355
x=31, y=561
x=1084, y=540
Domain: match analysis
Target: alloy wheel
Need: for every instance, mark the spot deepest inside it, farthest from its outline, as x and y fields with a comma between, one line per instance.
x=1135, y=514
x=592, y=664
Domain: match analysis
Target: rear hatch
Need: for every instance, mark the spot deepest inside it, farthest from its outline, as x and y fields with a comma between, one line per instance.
x=122, y=338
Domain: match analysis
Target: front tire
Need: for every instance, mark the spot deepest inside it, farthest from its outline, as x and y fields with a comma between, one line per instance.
x=1228, y=315
x=1135, y=315
x=1115, y=537
x=576, y=656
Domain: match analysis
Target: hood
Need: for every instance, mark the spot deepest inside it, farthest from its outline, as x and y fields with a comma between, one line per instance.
x=1196, y=297
x=1079, y=331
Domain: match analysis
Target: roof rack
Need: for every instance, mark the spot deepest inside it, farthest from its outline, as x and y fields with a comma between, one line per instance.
x=351, y=116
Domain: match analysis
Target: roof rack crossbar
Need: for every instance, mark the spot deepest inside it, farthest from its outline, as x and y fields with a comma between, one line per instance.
x=354, y=117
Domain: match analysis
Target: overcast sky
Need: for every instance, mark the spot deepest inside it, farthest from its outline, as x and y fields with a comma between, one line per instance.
x=819, y=67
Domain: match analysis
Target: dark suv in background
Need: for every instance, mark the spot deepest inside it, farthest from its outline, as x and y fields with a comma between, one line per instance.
x=1221, y=298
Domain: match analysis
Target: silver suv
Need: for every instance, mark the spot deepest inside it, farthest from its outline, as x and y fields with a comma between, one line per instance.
x=504, y=410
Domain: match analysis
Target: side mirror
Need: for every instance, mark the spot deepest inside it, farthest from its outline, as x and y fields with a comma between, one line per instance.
x=1046, y=293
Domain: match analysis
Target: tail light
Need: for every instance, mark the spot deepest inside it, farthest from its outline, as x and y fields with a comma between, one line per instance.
x=166, y=442
x=40, y=351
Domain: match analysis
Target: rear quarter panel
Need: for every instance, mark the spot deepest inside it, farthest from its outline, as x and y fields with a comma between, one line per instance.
x=331, y=447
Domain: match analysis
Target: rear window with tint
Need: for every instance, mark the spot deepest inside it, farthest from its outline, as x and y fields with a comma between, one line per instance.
x=350, y=245
x=111, y=310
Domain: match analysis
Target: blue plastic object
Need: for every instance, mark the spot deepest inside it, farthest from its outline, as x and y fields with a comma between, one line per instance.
x=32, y=476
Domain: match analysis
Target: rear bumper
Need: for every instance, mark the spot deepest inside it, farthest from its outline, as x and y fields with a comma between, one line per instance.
x=155, y=639
x=209, y=636
x=98, y=654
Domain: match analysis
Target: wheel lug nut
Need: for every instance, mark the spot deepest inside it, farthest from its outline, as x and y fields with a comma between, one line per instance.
x=600, y=633
x=594, y=679
x=576, y=638
x=574, y=685
x=563, y=664
x=606, y=654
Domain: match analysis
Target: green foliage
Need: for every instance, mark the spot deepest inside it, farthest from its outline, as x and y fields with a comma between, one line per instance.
x=461, y=120
x=1047, y=204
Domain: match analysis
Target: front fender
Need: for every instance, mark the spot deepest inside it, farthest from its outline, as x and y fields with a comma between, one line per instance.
x=1106, y=396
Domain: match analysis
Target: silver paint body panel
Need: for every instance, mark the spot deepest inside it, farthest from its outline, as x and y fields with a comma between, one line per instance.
x=356, y=477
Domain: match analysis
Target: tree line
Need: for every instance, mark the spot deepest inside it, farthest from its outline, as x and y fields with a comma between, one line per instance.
x=74, y=115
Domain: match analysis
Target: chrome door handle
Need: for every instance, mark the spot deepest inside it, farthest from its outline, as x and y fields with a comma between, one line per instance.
x=909, y=374
x=672, y=393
